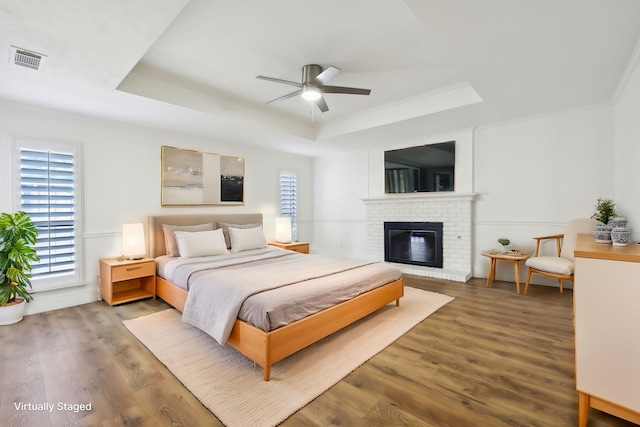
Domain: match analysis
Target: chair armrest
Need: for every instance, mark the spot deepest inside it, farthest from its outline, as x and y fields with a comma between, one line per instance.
x=558, y=237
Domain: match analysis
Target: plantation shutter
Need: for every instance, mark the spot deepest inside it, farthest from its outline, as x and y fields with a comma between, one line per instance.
x=48, y=187
x=289, y=200
x=47, y=195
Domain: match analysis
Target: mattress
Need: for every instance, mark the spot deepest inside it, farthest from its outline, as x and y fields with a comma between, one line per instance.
x=313, y=289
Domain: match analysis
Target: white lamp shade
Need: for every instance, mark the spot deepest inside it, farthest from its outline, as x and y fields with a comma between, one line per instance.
x=283, y=230
x=133, y=244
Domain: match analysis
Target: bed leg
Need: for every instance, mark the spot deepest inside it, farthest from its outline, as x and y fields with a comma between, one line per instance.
x=267, y=372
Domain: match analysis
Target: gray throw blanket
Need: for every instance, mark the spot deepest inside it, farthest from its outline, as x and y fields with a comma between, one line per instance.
x=215, y=297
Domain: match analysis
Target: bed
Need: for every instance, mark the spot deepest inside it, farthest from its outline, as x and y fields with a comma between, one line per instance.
x=263, y=345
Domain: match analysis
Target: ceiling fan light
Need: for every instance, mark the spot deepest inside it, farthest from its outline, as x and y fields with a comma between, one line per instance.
x=311, y=93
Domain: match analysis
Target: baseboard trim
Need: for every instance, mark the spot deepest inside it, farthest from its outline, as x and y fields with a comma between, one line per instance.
x=62, y=298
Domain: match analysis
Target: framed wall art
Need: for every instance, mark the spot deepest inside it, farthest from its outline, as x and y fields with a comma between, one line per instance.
x=194, y=178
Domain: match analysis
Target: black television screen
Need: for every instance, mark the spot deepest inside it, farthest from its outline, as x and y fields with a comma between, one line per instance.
x=420, y=169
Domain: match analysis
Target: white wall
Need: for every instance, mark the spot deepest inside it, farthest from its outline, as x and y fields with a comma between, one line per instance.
x=338, y=212
x=627, y=153
x=533, y=175
x=122, y=182
x=530, y=177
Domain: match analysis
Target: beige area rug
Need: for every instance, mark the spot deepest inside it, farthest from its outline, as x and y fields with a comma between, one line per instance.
x=231, y=386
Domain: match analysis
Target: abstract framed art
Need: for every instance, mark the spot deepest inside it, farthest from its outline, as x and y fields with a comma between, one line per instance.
x=195, y=178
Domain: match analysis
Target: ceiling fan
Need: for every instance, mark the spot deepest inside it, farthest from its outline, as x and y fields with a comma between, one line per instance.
x=314, y=84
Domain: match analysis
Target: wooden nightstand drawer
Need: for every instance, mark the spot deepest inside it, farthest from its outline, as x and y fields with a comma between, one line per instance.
x=301, y=247
x=127, y=280
x=132, y=271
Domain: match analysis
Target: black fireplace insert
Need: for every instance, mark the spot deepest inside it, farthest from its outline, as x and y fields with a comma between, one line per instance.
x=417, y=243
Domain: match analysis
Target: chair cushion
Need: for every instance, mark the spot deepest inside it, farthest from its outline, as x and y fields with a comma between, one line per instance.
x=551, y=264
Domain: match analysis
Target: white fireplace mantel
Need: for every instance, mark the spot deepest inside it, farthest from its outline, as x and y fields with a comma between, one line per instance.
x=422, y=197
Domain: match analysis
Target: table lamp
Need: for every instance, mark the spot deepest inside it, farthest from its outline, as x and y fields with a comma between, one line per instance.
x=283, y=230
x=133, y=243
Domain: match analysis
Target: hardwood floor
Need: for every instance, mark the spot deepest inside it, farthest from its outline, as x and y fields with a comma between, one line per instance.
x=489, y=358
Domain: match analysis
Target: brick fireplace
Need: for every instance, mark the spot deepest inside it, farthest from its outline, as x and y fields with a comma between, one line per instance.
x=454, y=210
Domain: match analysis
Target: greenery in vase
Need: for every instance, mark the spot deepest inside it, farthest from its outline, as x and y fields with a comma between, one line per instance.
x=504, y=241
x=17, y=240
x=605, y=210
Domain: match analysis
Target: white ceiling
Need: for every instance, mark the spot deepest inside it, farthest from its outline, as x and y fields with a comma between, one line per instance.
x=432, y=65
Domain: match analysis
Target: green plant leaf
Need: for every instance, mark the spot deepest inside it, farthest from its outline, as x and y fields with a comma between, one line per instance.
x=18, y=236
x=605, y=210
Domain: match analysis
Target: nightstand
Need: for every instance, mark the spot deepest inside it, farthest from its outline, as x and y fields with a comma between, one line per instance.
x=301, y=247
x=127, y=280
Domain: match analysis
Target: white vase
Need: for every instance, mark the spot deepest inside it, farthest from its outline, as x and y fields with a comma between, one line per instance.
x=10, y=314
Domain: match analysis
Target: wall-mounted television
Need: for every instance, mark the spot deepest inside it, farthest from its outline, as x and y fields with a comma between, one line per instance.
x=419, y=169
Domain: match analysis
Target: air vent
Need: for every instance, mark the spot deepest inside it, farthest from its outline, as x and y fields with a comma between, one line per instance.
x=26, y=58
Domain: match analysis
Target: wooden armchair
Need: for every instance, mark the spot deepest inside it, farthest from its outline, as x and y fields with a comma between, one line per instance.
x=561, y=266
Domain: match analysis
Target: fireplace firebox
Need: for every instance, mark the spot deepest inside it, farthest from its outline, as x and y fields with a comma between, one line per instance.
x=417, y=243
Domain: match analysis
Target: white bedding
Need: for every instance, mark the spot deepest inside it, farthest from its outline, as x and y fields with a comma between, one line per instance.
x=267, y=287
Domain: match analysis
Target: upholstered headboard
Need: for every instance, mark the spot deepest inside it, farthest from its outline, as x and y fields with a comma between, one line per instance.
x=156, y=235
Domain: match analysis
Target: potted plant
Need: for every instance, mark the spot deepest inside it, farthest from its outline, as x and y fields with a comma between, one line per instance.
x=505, y=243
x=17, y=240
x=605, y=210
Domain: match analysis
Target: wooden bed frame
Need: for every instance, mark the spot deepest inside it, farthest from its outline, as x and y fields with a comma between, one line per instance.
x=267, y=348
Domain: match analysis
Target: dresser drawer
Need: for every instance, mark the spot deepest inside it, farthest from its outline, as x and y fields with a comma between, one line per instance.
x=132, y=271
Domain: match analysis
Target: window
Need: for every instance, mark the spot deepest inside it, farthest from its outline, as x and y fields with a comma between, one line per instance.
x=47, y=184
x=289, y=200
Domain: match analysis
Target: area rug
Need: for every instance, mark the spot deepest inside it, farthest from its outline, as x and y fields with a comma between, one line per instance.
x=231, y=386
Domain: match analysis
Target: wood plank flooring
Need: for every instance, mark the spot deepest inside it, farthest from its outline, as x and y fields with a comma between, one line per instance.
x=489, y=358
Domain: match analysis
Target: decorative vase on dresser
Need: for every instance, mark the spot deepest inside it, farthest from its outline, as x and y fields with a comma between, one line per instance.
x=620, y=236
x=617, y=222
x=602, y=233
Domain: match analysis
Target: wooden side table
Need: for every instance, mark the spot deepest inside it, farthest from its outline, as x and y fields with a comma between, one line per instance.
x=513, y=257
x=127, y=280
x=302, y=247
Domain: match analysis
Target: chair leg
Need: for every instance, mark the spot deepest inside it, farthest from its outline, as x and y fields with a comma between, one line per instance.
x=560, y=285
x=526, y=286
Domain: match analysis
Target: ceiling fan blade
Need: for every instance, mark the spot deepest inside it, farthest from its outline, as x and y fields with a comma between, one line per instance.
x=326, y=75
x=322, y=105
x=346, y=90
x=287, y=96
x=287, y=82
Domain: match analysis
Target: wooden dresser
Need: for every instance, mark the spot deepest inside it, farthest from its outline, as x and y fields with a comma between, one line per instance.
x=607, y=320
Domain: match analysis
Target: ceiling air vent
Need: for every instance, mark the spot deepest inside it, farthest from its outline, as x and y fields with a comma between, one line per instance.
x=26, y=58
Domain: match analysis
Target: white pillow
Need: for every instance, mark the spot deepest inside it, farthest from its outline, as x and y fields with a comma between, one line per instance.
x=225, y=229
x=244, y=239
x=170, y=238
x=200, y=243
